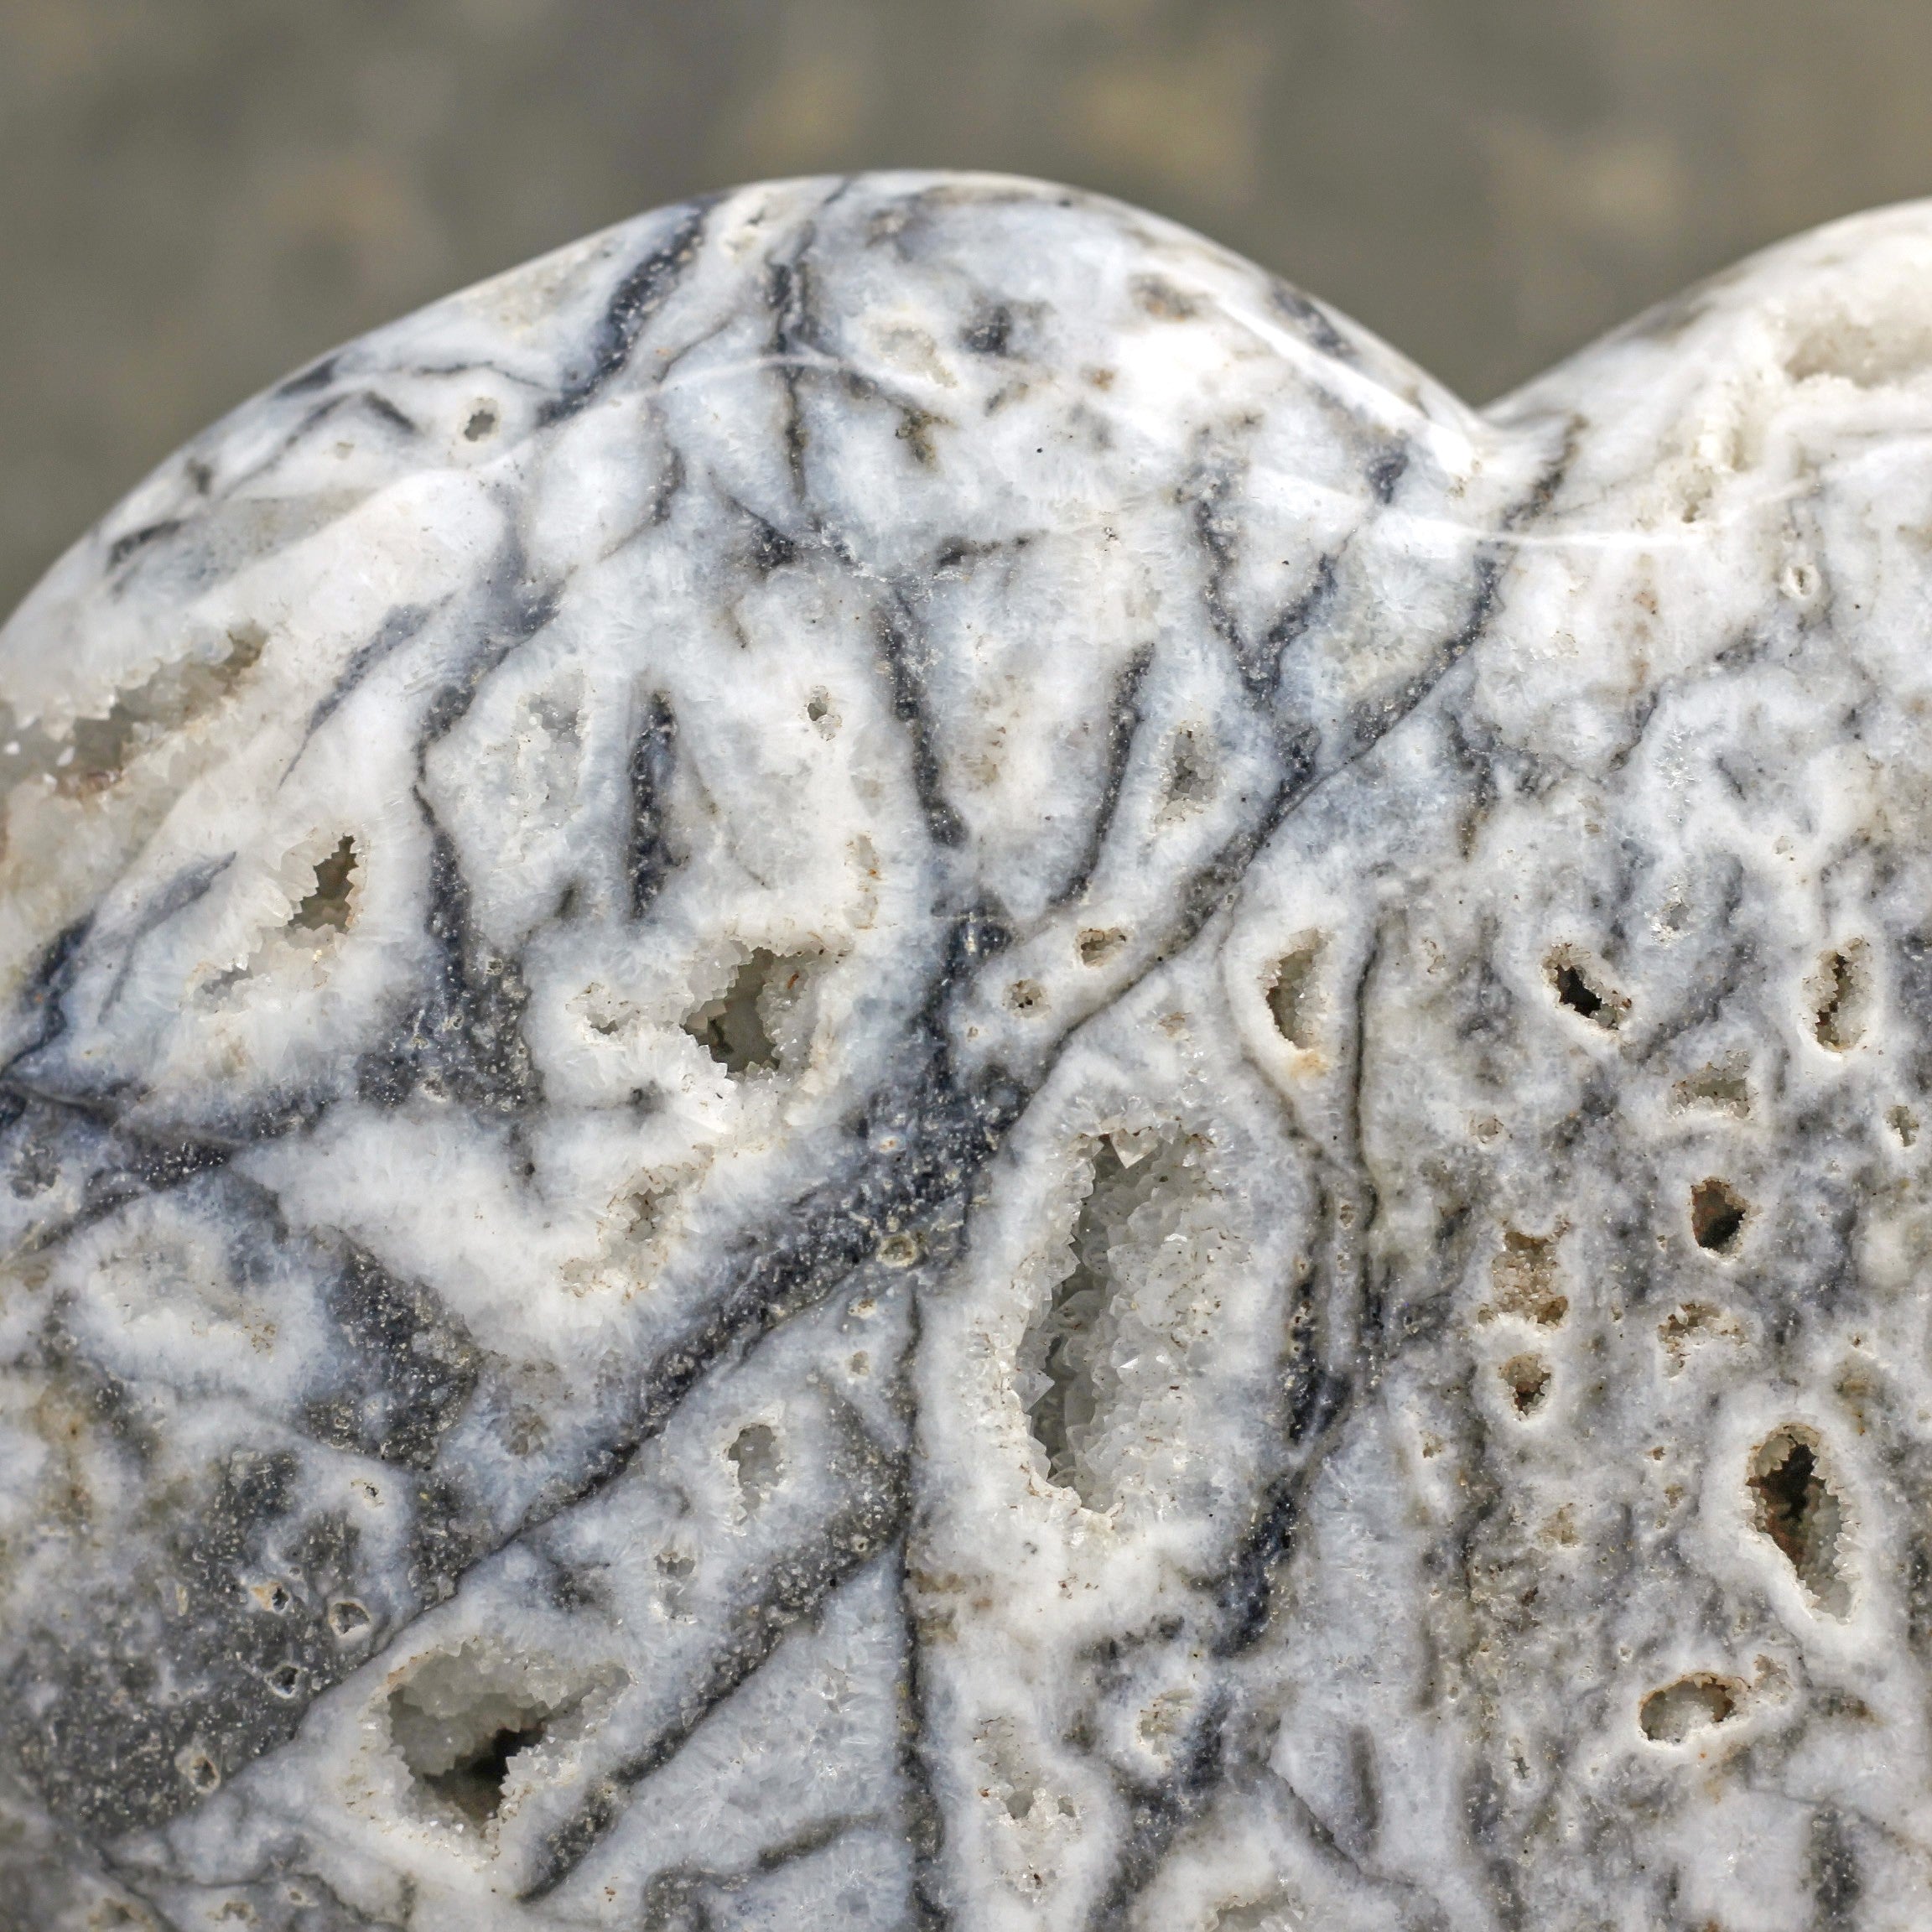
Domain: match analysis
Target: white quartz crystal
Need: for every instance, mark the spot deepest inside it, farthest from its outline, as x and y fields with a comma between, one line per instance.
x=887, y=1059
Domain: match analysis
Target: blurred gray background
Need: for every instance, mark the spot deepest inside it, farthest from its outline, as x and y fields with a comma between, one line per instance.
x=197, y=195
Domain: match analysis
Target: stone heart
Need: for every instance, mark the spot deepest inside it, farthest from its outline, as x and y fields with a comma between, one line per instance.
x=885, y=1058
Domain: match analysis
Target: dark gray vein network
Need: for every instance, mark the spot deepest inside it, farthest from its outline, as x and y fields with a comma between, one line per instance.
x=886, y=1059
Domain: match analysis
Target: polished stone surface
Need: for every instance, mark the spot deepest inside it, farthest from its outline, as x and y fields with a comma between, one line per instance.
x=886, y=1058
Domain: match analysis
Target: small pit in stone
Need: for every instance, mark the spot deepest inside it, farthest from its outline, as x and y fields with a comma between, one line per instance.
x=1291, y=993
x=1583, y=990
x=327, y=908
x=743, y=1028
x=900, y=1249
x=1271, y=1913
x=755, y=1457
x=1190, y=771
x=1723, y=1086
x=459, y=1724
x=1524, y=1282
x=347, y=1619
x=1527, y=1377
x=1841, y=996
x=1026, y=996
x=1098, y=944
x=1717, y=1212
x=1692, y=1703
x=1692, y=1324
x=1799, y=1511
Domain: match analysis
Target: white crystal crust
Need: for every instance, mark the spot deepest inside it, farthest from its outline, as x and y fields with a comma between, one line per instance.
x=886, y=1059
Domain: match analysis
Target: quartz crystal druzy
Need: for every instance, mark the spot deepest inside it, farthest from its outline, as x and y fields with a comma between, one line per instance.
x=887, y=1060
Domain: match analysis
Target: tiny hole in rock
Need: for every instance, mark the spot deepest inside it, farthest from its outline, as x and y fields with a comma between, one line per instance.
x=1097, y=944
x=817, y=706
x=1584, y=995
x=1277, y=1911
x=1026, y=996
x=458, y=1725
x=327, y=908
x=1525, y=1279
x=754, y=1455
x=1904, y=1123
x=737, y=1029
x=1692, y=1703
x=899, y=1250
x=1838, y=1020
x=1724, y=1087
x=1528, y=1380
x=1798, y=1511
x=1717, y=1215
x=346, y=1617
x=1291, y=994
x=285, y=1680
x=203, y=1773
x=1189, y=769
x=482, y=421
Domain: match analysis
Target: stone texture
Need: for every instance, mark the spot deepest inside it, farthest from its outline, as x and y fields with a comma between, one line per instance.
x=886, y=1058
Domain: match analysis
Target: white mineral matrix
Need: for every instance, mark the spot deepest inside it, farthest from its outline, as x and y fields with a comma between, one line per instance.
x=887, y=1059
